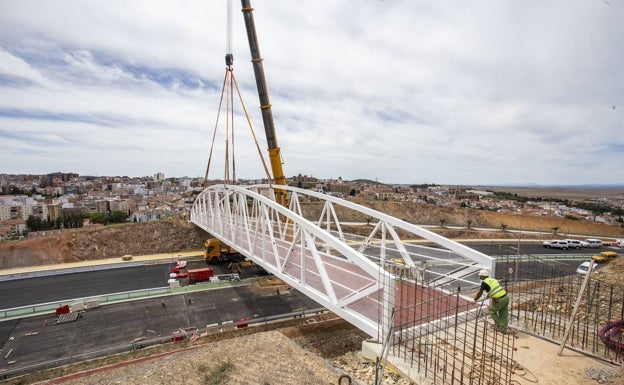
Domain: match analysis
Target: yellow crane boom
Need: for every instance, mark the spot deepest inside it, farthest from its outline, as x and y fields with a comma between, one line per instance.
x=275, y=157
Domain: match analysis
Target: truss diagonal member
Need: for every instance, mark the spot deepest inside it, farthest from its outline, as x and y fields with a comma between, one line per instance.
x=291, y=248
x=295, y=206
x=269, y=228
x=368, y=241
x=329, y=290
x=345, y=250
x=328, y=215
x=356, y=296
x=400, y=247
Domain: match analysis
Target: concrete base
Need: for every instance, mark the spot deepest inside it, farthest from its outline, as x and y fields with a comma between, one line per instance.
x=371, y=350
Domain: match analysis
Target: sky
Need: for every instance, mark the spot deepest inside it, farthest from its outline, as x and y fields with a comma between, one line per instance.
x=399, y=91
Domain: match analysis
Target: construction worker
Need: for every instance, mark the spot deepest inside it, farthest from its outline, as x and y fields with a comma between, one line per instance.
x=500, y=300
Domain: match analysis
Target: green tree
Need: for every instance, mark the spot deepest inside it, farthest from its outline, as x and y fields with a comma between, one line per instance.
x=34, y=223
x=98, y=218
x=73, y=221
x=118, y=217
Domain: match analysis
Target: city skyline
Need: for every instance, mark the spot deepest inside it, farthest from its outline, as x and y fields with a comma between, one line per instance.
x=498, y=93
x=289, y=178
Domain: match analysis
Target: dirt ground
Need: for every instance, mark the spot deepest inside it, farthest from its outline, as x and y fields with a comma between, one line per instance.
x=540, y=364
x=318, y=354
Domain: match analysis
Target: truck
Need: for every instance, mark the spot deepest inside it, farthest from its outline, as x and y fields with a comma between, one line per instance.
x=199, y=275
x=180, y=265
x=216, y=252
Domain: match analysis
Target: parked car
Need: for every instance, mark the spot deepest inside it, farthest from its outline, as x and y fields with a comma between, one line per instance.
x=594, y=243
x=556, y=244
x=604, y=256
x=584, y=268
x=574, y=243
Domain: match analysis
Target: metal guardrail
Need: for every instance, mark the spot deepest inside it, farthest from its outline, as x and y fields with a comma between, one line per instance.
x=69, y=270
x=96, y=267
x=50, y=307
x=106, y=299
x=140, y=344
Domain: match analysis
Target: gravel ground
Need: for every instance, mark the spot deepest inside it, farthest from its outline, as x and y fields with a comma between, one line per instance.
x=319, y=352
x=263, y=358
x=307, y=355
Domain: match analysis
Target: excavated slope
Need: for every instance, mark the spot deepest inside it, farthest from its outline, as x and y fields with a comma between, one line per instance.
x=176, y=234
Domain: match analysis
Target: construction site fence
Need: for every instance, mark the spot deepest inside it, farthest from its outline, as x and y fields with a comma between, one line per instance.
x=444, y=336
x=549, y=299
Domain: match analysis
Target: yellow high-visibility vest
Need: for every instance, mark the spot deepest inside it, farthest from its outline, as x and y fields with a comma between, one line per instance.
x=496, y=290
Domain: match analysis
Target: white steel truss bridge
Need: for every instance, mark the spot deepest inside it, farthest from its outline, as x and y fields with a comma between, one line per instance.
x=348, y=259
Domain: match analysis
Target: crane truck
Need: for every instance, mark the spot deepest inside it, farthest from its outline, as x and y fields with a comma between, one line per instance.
x=216, y=252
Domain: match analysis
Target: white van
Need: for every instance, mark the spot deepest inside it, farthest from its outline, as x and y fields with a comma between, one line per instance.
x=584, y=268
x=574, y=243
x=556, y=244
x=594, y=243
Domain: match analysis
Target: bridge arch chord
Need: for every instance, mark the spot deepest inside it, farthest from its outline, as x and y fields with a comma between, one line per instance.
x=392, y=238
x=339, y=270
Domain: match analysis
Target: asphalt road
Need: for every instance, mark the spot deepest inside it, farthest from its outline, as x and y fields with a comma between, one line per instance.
x=113, y=328
x=64, y=287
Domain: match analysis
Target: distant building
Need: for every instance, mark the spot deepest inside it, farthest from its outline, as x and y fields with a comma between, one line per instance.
x=303, y=181
x=57, y=178
x=339, y=188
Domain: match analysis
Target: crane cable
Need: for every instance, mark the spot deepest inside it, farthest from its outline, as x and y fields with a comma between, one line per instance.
x=229, y=75
x=233, y=84
x=253, y=133
x=214, y=133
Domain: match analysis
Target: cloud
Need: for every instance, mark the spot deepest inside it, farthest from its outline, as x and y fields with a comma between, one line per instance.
x=401, y=91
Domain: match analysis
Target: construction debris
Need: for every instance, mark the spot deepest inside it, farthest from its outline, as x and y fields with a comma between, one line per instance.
x=67, y=317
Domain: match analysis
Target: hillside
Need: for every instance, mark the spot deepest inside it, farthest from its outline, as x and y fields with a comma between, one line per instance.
x=174, y=235
x=165, y=236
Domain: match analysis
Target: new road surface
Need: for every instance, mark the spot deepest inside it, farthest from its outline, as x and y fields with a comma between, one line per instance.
x=79, y=283
x=36, y=342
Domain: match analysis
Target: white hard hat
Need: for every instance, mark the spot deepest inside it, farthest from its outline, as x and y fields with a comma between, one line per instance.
x=484, y=273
